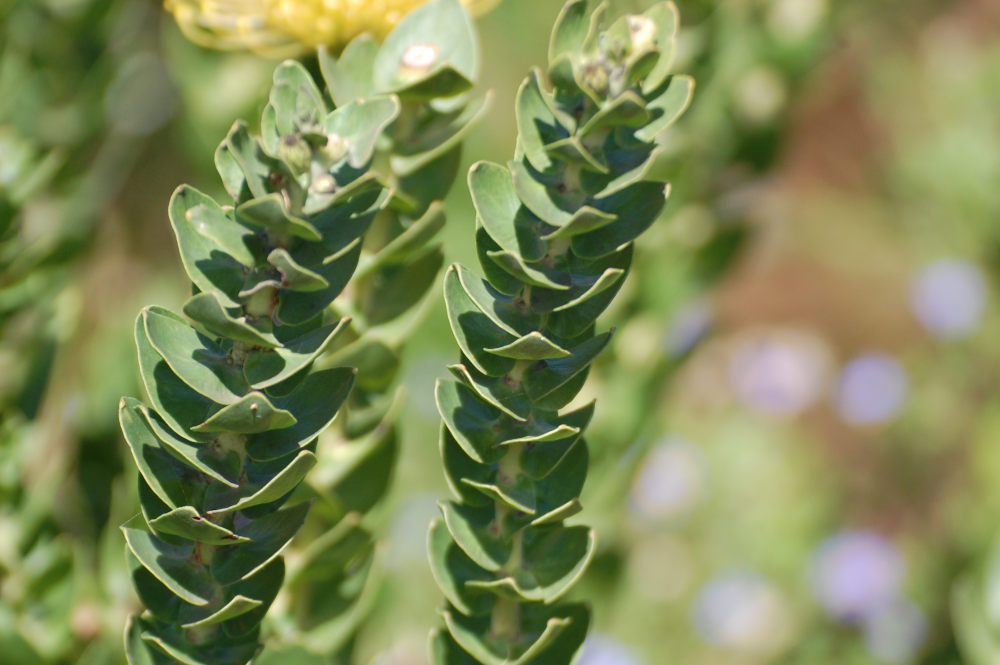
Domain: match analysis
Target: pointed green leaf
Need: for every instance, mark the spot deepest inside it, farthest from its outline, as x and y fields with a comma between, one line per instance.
x=360, y=123
x=351, y=76
x=533, y=346
x=195, y=359
x=187, y=523
x=667, y=105
x=251, y=414
x=206, y=309
x=174, y=566
x=267, y=367
x=268, y=212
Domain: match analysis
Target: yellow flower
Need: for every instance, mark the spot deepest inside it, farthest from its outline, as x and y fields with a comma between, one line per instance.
x=282, y=27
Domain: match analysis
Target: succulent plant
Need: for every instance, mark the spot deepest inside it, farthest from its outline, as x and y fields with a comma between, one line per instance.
x=418, y=157
x=235, y=403
x=554, y=236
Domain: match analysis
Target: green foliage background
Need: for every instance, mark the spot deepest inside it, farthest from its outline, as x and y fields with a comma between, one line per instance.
x=831, y=151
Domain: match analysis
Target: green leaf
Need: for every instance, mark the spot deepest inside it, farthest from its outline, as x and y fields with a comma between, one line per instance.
x=351, y=76
x=238, y=606
x=271, y=489
x=360, y=123
x=195, y=359
x=297, y=101
x=206, y=263
x=166, y=476
x=474, y=329
x=554, y=558
x=433, y=139
x=667, y=105
x=512, y=226
x=666, y=21
x=407, y=244
x=264, y=538
x=538, y=121
x=251, y=414
x=187, y=523
x=268, y=212
x=452, y=569
x=542, y=380
x=266, y=367
x=497, y=391
x=315, y=402
x=395, y=289
x=644, y=201
x=575, y=23
x=206, y=309
x=533, y=346
x=175, y=566
x=294, y=276
x=552, y=207
x=432, y=52
x=472, y=530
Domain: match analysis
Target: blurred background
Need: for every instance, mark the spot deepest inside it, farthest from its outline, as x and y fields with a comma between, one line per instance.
x=796, y=452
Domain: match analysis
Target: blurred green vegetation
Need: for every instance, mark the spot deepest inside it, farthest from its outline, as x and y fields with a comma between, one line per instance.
x=797, y=444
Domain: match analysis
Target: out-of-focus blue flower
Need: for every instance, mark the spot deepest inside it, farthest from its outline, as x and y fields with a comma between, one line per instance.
x=602, y=650
x=669, y=482
x=782, y=373
x=948, y=297
x=689, y=324
x=896, y=631
x=740, y=611
x=871, y=389
x=855, y=573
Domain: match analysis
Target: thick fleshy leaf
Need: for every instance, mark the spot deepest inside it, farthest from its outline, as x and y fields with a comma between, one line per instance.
x=293, y=275
x=436, y=138
x=198, y=361
x=315, y=402
x=432, y=52
x=207, y=262
x=265, y=489
x=472, y=531
x=251, y=414
x=266, y=537
x=643, y=201
x=406, y=244
x=542, y=195
x=553, y=559
x=360, y=123
x=397, y=288
x=474, y=329
x=665, y=24
x=500, y=392
x=351, y=76
x=543, y=379
x=268, y=212
x=667, y=105
x=213, y=457
x=170, y=479
x=500, y=212
x=205, y=308
x=533, y=346
x=237, y=606
x=296, y=100
x=266, y=367
x=175, y=566
x=538, y=122
x=625, y=110
x=187, y=523
x=572, y=28
x=452, y=569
